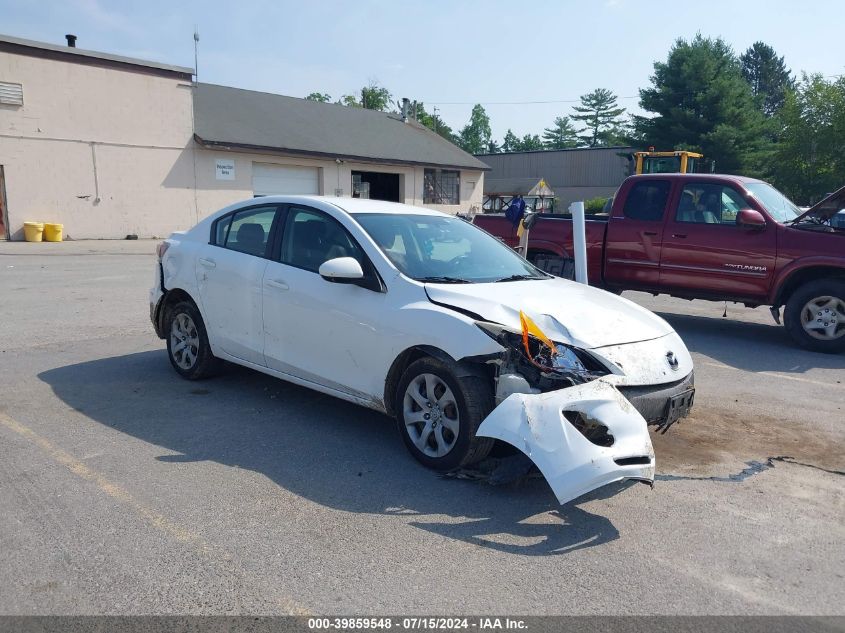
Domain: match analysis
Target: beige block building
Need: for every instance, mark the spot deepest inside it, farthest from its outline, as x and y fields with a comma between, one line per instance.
x=110, y=146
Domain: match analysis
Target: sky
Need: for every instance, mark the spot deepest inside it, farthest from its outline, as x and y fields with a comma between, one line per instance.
x=451, y=54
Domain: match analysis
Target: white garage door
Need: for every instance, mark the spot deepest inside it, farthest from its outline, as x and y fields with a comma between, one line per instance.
x=270, y=180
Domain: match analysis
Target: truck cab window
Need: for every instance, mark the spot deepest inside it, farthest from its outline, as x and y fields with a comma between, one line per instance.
x=647, y=200
x=706, y=203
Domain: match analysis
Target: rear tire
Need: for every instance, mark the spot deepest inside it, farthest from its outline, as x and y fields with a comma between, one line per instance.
x=187, y=342
x=438, y=414
x=815, y=316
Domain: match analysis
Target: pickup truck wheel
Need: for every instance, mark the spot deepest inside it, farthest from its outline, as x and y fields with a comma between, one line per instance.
x=815, y=316
x=438, y=414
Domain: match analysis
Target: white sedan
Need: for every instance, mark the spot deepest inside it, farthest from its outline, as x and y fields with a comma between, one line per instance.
x=431, y=320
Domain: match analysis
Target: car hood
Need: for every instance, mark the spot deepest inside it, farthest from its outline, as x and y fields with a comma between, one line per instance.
x=826, y=208
x=566, y=311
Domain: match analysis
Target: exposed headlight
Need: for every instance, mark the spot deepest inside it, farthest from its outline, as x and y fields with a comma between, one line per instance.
x=534, y=355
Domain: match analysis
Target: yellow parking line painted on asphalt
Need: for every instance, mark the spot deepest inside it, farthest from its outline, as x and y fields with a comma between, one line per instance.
x=777, y=375
x=151, y=516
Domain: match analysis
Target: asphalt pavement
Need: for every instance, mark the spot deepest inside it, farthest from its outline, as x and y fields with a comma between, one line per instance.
x=127, y=490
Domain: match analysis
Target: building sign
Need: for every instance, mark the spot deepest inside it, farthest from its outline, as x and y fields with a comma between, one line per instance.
x=225, y=169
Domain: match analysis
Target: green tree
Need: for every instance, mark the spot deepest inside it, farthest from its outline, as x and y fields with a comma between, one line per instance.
x=375, y=97
x=529, y=142
x=322, y=97
x=600, y=114
x=562, y=135
x=493, y=147
x=475, y=136
x=700, y=101
x=510, y=142
x=768, y=76
x=350, y=101
x=431, y=121
x=809, y=159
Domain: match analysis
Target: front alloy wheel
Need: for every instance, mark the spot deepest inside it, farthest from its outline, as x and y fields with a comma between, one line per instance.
x=438, y=413
x=431, y=415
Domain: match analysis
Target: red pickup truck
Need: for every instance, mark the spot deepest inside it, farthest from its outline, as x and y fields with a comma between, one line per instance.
x=714, y=237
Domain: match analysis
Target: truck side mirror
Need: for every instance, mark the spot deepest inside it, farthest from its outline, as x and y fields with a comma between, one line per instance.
x=529, y=219
x=751, y=219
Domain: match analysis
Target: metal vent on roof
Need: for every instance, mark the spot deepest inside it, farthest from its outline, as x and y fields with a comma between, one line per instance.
x=11, y=94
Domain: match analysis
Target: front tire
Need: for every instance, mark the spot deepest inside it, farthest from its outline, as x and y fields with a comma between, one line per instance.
x=815, y=316
x=187, y=343
x=438, y=414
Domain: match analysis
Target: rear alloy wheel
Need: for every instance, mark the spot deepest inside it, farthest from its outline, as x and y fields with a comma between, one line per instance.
x=439, y=413
x=187, y=343
x=815, y=316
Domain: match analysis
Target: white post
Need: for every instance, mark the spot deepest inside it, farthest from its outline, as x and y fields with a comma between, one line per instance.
x=579, y=241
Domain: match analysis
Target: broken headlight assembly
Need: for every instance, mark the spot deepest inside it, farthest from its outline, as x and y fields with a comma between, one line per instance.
x=533, y=363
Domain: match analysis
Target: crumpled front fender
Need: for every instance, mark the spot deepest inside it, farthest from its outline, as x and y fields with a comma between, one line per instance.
x=572, y=464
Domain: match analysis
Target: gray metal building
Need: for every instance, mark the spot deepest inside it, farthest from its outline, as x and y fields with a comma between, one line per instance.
x=573, y=174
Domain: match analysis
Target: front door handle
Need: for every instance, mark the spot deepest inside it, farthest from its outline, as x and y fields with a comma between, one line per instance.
x=682, y=236
x=208, y=263
x=650, y=233
x=277, y=283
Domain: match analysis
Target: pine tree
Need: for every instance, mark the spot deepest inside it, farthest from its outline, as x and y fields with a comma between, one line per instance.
x=562, y=135
x=529, y=142
x=510, y=142
x=600, y=114
x=700, y=101
x=767, y=75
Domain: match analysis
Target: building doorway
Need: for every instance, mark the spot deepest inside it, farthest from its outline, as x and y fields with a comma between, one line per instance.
x=4, y=217
x=376, y=185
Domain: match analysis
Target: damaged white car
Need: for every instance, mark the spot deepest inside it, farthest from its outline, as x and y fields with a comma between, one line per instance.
x=431, y=320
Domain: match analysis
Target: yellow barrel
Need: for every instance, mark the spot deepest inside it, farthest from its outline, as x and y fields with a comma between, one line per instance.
x=33, y=231
x=53, y=232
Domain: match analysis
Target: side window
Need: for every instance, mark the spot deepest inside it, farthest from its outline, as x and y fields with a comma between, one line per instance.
x=311, y=238
x=246, y=231
x=647, y=200
x=708, y=203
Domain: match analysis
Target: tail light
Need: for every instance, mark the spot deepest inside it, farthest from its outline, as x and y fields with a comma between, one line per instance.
x=161, y=249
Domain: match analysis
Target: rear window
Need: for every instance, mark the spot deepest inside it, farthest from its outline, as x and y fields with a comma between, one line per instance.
x=246, y=231
x=647, y=200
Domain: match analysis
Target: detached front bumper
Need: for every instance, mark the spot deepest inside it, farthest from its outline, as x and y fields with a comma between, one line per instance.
x=573, y=465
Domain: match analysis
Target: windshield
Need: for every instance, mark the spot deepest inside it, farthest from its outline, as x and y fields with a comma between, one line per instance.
x=442, y=249
x=778, y=205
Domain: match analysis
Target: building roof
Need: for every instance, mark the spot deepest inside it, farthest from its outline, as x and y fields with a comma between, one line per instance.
x=245, y=119
x=79, y=55
x=529, y=187
x=551, y=152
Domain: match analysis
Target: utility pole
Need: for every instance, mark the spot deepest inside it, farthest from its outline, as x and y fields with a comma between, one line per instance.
x=436, y=121
x=196, y=51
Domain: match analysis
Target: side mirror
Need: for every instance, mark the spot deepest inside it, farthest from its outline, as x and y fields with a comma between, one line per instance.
x=751, y=219
x=341, y=270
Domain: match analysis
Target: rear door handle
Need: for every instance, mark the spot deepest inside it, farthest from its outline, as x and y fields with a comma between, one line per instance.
x=650, y=233
x=682, y=236
x=208, y=263
x=277, y=283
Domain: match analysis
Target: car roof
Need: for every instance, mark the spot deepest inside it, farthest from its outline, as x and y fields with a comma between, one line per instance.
x=355, y=206
x=693, y=176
